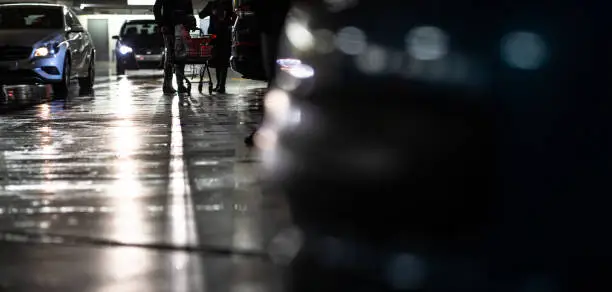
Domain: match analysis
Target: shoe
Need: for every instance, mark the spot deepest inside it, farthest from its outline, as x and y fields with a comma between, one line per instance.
x=169, y=90
x=184, y=100
x=221, y=90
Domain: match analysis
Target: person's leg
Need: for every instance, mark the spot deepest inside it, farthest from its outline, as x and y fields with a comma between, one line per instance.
x=168, y=66
x=222, y=78
x=218, y=75
x=180, y=77
x=269, y=46
x=179, y=49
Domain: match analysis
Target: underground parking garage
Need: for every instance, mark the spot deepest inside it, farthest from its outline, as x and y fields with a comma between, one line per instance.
x=437, y=155
x=123, y=188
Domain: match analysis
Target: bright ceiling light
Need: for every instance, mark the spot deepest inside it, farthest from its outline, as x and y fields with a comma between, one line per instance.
x=141, y=2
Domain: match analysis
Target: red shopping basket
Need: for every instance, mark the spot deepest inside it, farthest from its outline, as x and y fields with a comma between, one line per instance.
x=200, y=47
x=199, y=50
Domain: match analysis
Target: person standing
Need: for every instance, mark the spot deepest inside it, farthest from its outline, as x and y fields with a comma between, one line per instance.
x=220, y=12
x=270, y=16
x=168, y=14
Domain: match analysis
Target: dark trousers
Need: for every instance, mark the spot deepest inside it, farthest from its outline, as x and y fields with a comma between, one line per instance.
x=169, y=66
x=269, y=46
x=221, y=73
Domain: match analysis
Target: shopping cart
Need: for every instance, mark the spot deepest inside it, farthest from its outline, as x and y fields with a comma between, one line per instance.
x=194, y=50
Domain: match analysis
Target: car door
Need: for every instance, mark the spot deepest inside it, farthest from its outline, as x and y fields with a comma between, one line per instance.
x=74, y=37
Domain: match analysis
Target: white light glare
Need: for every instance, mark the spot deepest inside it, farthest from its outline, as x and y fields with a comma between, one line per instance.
x=373, y=60
x=524, y=50
x=295, y=68
x=351, y=41
x=427, y=43
x=288, y=62
x=125, y=50
x=299, y=36
x=277, y=103
x=301, y=71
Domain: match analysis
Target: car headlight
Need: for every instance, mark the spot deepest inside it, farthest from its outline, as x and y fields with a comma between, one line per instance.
x=42, y=52
x=47, y=50
x=125, y=50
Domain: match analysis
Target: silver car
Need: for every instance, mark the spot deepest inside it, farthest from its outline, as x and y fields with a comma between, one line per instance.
x=45, y=44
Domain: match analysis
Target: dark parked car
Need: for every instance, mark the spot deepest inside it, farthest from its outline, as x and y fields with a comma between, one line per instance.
x=246, y=47
x=44, y=44
x=140, y=45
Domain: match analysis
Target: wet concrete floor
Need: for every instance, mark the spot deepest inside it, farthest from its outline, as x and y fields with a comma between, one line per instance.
x=102, y=191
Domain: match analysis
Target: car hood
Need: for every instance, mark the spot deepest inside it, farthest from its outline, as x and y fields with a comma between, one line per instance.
x=28, y=37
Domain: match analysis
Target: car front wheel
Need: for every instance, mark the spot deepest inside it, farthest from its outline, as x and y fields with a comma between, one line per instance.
x=87, y=83
x=120, y=68
x=61, y=89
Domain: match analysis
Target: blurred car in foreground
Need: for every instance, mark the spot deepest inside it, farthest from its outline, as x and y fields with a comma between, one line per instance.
x=45, y=44
x=445, y=154
x=246, y=56
x=140, y=45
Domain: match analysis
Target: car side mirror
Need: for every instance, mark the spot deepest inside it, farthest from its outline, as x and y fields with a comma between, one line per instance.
x=116, y=37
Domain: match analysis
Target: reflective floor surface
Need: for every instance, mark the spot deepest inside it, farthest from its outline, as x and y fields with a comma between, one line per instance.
x=91, y=175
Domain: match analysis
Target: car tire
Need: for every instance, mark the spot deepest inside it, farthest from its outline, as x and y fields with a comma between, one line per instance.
x=120, y=69
x=87, y=83
x=61, y=89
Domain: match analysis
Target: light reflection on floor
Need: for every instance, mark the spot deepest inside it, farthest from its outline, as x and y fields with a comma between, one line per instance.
x=114, y=166
x=129, y=216
x=182, y=219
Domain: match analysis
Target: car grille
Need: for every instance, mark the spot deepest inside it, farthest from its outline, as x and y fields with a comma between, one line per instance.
x=10, y=53
x=143, y=51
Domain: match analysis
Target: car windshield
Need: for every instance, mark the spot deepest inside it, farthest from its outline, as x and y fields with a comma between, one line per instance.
x=141, y=29
x=31, y=17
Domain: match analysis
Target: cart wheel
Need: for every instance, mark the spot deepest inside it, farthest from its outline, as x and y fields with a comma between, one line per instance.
x=210, y=90
x=200, y=87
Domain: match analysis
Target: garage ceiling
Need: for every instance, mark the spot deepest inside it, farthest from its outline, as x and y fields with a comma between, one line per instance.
x=107, y=6
x=121, y=6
